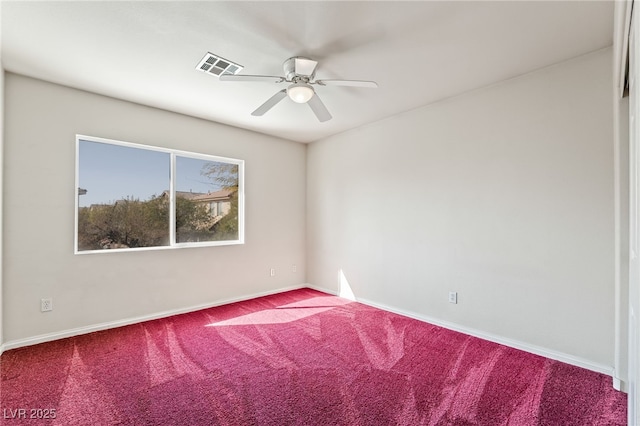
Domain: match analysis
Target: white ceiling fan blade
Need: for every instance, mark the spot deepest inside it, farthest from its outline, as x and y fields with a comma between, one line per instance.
x=351, y=83
x=270, y=103
x=240, y=77
x=304, y=66
x=319, y=109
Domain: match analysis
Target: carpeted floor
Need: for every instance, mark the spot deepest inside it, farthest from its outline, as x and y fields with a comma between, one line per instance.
x=296, y=358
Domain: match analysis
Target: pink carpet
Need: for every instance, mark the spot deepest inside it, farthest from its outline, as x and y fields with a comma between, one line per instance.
x=296, y=358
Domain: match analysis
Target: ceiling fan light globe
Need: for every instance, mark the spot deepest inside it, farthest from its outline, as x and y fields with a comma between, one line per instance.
x=300, y=92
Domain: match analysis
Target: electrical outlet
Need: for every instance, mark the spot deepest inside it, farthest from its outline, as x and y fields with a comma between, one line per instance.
x=273, y=272
x=46, y=305
x=453, y=297
x=294, y=268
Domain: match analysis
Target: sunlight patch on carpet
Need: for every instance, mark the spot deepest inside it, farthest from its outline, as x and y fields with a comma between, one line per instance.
x=271, y=316
x=318, y=302
x=90, y=402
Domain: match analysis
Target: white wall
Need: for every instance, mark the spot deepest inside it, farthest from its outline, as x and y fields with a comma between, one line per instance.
x=504, y=195
x=40, y=124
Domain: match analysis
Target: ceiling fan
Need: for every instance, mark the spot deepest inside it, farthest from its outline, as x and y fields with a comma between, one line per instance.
x=300, y=73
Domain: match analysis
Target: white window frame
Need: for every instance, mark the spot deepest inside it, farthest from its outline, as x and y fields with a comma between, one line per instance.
x=173, y=154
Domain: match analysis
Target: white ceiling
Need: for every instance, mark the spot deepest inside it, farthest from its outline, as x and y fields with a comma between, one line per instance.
x=418, y=52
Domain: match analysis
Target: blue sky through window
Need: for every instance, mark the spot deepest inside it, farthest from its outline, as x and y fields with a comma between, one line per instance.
x=189, y=175
x=112, y=172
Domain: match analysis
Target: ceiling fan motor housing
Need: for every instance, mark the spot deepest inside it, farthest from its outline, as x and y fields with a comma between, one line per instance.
x=289, y=67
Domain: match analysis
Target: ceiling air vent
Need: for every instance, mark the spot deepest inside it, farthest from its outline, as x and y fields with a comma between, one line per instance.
x=212, y=64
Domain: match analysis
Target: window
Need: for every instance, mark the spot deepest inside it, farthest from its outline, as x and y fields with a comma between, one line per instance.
x=216, y=208
x=133, y=196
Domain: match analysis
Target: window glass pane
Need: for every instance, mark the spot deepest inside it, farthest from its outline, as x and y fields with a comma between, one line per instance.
x=206, y=200
x=132, y=196
x=123, y=197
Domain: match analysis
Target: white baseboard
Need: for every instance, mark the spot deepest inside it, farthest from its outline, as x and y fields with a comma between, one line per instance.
x=619, y=384
x=120, y=323
x=536, y=350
